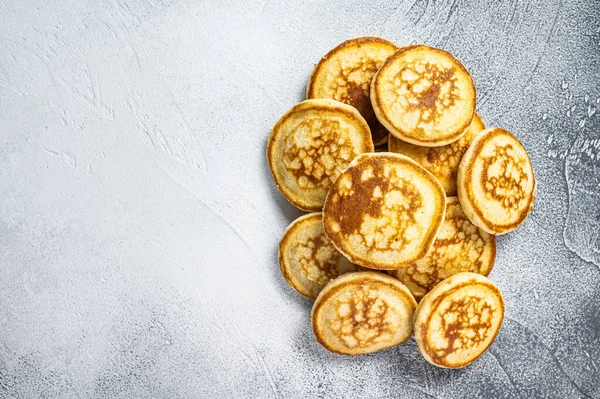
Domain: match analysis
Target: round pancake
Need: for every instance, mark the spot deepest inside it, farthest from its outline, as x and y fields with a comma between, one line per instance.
x=310, y=145
x=496, y=185
x=458, y=320
x=362, y=312
x=460, y=246
x=424, y=96
x=345, y=73
x=307, y=259
x=384, y=211
x=442, y=161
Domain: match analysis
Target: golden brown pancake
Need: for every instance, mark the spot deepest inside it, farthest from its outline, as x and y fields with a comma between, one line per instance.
x=310, y=145
x=362, y=312
x=384, y=211
x=307, y=259
x=442, y=161
x=424, y=96
x=460, y=246
x=496, y=185
x=345, y=73
x=458, y=320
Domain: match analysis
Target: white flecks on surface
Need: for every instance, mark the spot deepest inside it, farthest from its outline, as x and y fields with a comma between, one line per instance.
x=139, y=222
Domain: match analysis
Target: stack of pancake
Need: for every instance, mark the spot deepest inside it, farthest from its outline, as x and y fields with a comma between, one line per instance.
x=407, y=190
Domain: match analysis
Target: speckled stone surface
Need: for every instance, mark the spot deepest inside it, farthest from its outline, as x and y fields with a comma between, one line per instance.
x=139, y=222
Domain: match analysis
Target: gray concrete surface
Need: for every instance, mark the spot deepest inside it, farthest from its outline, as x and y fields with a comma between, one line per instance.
x=139, y=221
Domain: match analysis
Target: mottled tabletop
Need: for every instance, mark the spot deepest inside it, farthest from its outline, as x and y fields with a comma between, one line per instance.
x=139, y=222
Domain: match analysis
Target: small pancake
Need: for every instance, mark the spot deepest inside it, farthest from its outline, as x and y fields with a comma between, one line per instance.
x=458, y=320
x=307, y=259
x=362, y=312
x=442, y=161
x=424, y=96
x=310, y=145
x=345, y=73
x=384, y=211
x=460, y=246
x=496, y=185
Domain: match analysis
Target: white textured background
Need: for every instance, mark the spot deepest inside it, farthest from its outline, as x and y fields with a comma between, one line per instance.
x=139, y=221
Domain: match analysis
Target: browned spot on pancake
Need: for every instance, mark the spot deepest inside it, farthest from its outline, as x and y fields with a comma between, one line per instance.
x=430, y=101
x=350, y=210
x=466, y=323
x=358, y=97
x=507, y=186
x=353, y=88
x=320, y=254
x=357, y=94
x=316, y=152
x=361, y=319
x=362, y=201
x=429, y=97
x=432, y=156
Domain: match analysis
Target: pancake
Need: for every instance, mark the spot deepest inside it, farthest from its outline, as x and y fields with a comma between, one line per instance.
x=310, y=145
x=345, y=73
x=384, y=211
x=424, y=96
x=460, y=246
x=496, y=185
x=307, y=259
x=362, y=312
x=458, y=320
x=442, y=161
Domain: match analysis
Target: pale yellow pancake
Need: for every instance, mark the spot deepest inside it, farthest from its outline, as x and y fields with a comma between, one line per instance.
x=458, y=320
x=362, y=312
x=384, y=211
x=424, y=96
x=460, y=246
x=496, y=184
x=345, y=73
x=309, y=147
x=442, y=161
x=307, y=258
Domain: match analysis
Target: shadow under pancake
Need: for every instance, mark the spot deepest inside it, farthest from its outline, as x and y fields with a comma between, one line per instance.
x=302, y=91
x=285, y=289
x=393, y=370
